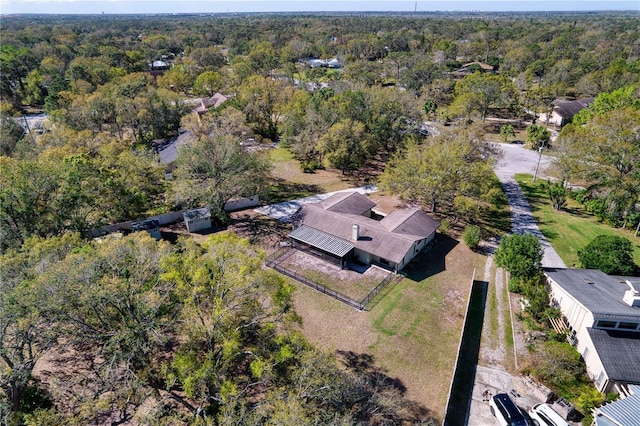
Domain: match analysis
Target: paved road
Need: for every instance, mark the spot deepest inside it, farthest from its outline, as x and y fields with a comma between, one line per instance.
x=518, y=159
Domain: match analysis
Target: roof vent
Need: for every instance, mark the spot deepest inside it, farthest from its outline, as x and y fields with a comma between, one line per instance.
x=588, y=281
x=631, y=297
x=355, y=232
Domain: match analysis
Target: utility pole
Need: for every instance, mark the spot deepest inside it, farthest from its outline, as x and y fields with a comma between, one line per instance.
x=535, y=175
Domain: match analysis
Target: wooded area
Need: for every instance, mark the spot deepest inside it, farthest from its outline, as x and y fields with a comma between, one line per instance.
x=99, y=332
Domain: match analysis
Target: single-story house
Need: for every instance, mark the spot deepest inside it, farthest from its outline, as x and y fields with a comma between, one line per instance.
x=197, y=219
x=564, y=110
x=472, y=67
x=213, y=102
x=601, y=316
x=343, y=229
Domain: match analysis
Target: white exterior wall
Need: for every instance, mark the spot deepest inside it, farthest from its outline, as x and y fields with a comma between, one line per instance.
x=577, y=315
x=198, y=224
x=580, y=318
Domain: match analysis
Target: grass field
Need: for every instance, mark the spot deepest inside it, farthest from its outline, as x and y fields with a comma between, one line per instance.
x=289, y=182
x=571, y=229
x=412, y=330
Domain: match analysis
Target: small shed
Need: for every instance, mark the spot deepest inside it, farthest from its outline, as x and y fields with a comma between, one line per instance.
x=197, y=219
x=152, y=226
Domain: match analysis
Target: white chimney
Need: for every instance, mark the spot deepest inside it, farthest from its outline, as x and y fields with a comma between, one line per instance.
x=355, y=232
x=631, y=297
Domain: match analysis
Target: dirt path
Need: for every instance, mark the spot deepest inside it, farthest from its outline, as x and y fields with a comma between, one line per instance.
x=493, y=349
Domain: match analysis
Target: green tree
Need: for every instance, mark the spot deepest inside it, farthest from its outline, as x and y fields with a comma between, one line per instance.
x=507, y=132
x=472, y=236
x=109, y=304
x=26, y=334
x=605, y=153
x=262, y=99
x=346, y=145
x=10, y=134
x=229, y=302
x=611, y=254
x=212, y=171
x=521, y=255
x=538, y=136
x=558, y=195
x=207, y=83
x=430, y=107
x=434, y=173
x=481, y=92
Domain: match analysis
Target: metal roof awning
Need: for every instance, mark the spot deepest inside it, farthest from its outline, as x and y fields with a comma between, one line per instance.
x=322, y=240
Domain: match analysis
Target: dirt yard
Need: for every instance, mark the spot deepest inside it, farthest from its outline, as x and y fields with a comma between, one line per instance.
x=412, y=332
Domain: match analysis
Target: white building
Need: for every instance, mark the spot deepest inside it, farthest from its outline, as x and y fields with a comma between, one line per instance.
x=602, y=317
x=197, y=219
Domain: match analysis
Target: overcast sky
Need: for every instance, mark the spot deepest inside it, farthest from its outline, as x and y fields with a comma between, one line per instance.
x=217, y=6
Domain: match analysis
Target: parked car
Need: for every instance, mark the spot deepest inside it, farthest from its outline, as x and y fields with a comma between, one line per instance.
x=507, y=412
x=544, y=415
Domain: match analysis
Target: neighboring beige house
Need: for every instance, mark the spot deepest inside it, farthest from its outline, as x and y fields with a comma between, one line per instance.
x=563, y=111
x=343, y=229
x=602, y=319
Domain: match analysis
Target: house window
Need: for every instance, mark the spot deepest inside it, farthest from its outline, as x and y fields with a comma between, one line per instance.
x=585, y=354
x=628, y=325
x=606, y=324
x=384, y=261
x=600, y=379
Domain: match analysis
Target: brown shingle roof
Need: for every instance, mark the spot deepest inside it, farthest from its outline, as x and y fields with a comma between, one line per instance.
x=567, y=109
x=375, y=237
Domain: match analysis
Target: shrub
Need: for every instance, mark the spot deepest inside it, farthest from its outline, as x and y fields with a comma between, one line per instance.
x=472, y=236
x=445, y=226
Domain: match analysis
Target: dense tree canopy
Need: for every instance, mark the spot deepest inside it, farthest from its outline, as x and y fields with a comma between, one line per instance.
x=611, y=254
x=442, y=170
x=605, y=153
x=147, y=332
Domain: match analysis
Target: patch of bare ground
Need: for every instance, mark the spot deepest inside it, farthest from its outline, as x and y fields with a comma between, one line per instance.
x=353, y=284
x=412, y=331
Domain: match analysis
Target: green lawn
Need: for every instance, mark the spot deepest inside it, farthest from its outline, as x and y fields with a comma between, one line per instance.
x=571, y=229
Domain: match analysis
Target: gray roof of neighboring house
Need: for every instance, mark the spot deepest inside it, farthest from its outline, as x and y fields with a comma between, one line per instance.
x=598, y=292
x=625, y=411
x=348, y=202
x=390, y=240
x=567, y=109
x=322, y=240
x=619, y=352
